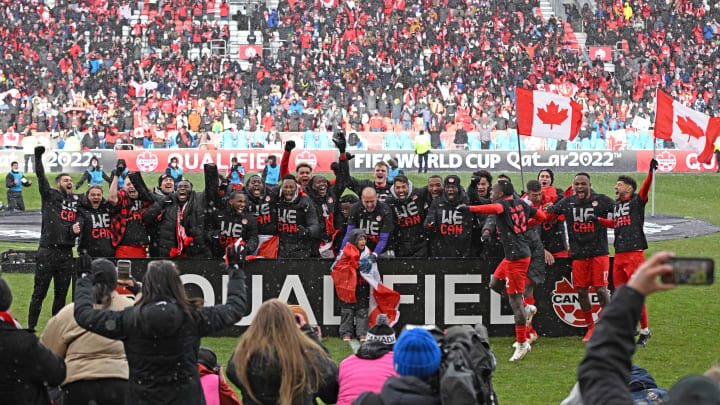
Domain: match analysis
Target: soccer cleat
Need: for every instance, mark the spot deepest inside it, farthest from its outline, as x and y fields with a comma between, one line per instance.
x=521, y=349
x=530, y=311
x=363, y=338
x=346, y=338
x=643, y=339
x=588, y=334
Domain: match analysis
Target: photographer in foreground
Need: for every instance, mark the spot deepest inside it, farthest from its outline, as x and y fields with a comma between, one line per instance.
x=604, y=373
x=161, y=332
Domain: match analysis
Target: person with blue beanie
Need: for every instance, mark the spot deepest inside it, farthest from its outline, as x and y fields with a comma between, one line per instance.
x=416, y=358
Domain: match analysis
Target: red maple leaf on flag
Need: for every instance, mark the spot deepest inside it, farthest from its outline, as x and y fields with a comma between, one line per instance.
x=552, y=114
x=690, y=128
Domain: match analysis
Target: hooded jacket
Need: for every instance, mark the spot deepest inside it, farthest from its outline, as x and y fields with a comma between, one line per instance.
x=450, y=230
x=227, y=226
x=367, y=370
x=161, y=341
x=404, y=390
x=409, y=238
x=59, y=212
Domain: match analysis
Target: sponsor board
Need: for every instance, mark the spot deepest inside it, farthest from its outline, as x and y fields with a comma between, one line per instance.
x=193, y=160
x=56, y=161
x=441, y=292
x=671, y=160
x=561, y=161
x=566, y=304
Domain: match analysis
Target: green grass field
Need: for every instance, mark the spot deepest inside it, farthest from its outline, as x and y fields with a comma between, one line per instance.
x=683, y=321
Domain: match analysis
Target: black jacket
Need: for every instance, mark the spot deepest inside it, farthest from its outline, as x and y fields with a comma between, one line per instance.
x=604, y=373
x=26, y=366
x=401, y=391
x=264, y=377
x=161, y=341
x=59, y=212
x=264, y=210
x=164, y=218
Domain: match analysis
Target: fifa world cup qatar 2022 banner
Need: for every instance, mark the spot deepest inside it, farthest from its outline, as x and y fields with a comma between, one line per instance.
x=441, y=292
x=192, y=160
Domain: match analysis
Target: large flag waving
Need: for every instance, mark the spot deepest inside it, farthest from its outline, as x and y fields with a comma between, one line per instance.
x=547, y=115
x=687, y=128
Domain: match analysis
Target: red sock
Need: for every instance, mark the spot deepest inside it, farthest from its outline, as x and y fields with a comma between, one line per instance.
x=643, y=318
x=529, y=300
x=589, y=319
x=520, y=333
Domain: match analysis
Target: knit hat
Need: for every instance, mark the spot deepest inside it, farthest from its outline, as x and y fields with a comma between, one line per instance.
x=103, y=272
x=5, y=296
x=452, y=180
x=416, y=353
x=381, y=332
x=694, y=389
x=208, y=359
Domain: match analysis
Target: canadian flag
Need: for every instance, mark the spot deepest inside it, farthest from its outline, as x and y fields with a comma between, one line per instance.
x=547, y=115
x=687, y=128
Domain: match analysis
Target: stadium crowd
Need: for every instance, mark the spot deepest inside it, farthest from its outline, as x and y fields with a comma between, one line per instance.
x=373, y=66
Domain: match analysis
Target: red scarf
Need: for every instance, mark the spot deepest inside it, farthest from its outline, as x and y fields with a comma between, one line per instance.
x=182, y=237
x=6, y=317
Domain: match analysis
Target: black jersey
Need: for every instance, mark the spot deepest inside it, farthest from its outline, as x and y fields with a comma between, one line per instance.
x=553, y=231
x=227, y=226
x=95, y=233
x=375, y=223
x=409, y=238
x=264, y=210
x=450, y=229
x=587, y=238
x=511, y=218
x=629, y=220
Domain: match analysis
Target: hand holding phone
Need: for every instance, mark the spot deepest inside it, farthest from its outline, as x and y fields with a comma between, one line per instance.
x=123, y=268
x=689, y=271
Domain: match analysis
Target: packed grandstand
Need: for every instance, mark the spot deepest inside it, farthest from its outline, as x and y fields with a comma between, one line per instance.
x=134, y=74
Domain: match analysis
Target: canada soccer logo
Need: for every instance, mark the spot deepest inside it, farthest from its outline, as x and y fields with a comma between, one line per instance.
x=306, y=157
x=666, y=161
x=146, y=161
x=567, y=305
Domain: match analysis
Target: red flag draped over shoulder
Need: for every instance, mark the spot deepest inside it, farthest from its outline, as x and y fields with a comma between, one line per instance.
x=547, y=115
x=687, y=128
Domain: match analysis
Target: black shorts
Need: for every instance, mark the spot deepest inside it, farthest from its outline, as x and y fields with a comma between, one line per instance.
x=536, y=270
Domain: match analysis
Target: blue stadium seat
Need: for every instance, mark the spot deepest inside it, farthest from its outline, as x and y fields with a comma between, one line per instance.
x=242, y=140
x=585, y=144
x=173, y=144
x=599, y=144
x=474, y=142
x=259, y=137
x=571, y=145
x=228, y=141
x=391, y=141
x=404, y=140
x=324, y=140
x=551, y=144
x=309, y=140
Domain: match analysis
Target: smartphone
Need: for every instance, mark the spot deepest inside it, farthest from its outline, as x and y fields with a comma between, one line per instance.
x=123, y=268
x=690, y=271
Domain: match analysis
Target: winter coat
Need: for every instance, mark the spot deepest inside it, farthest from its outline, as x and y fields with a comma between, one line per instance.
x=26, y=366
x=264, y=376
x=409, y=237
x=404, y=390
x=161, y=341
x=365, y=371
x=165, y=218
x=88, y=356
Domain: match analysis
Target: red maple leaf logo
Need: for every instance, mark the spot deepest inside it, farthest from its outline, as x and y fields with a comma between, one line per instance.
x=552, y=114
x=689, y=127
